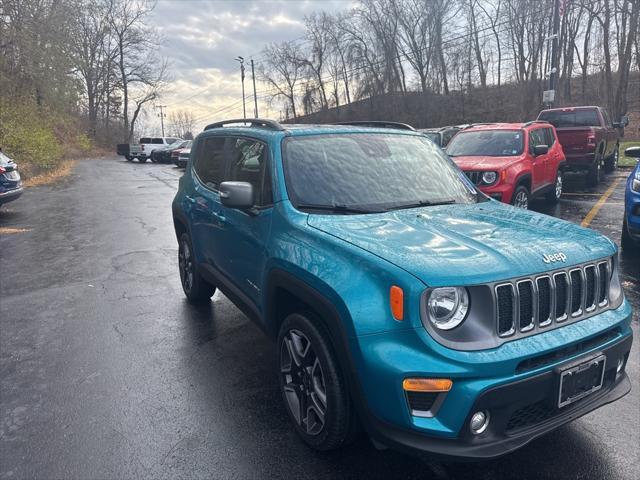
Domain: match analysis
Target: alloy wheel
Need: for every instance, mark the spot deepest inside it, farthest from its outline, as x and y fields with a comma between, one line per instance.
x=185, y=264
x=304, y=382
x=558, y=185
x=522, y=200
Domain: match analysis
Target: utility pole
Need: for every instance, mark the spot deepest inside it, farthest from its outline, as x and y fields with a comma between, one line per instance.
x=255, y=97
x=550, y=95
x=162, y=115
x=244, y=107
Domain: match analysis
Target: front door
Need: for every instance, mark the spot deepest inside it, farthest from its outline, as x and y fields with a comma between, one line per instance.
x=245, y=234
x=539, y=167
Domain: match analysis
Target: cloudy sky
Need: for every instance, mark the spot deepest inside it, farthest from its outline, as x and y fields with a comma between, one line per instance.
x=201, y=40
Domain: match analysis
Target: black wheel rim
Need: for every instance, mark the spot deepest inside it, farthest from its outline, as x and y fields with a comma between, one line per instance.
x=185, y=264
x=303, y=382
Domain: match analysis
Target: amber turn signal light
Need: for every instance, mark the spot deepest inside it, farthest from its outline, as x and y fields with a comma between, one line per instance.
x=396, y=299
x=427, y=384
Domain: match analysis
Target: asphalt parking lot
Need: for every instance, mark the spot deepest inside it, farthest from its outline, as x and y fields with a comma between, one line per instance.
x=107, y=372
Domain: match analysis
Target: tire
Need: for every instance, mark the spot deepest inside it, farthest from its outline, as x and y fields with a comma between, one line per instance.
x=628, y=244
x=555, y=193
x=611, y=163
x=129, y=158
x=309, y=372
x=153, y=158
x=142, y=159
x=521, y=197
x=595, y=173
x=196, y=288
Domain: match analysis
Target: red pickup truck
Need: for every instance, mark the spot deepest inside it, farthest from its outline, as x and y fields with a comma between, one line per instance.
x=588, y=137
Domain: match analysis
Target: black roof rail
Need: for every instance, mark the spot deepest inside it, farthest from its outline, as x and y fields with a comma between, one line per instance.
x=377, y=124
x=534, y=121
x=253, y=122
x=471, y=125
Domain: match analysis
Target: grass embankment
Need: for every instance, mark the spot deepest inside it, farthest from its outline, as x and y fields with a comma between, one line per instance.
x=43, y=142
x=627, y=161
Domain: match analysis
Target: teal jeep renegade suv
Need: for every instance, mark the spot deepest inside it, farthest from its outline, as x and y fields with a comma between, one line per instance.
x=402, y=299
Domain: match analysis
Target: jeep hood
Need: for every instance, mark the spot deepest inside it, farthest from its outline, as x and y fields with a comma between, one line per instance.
x=484, y=163
x=467, y=244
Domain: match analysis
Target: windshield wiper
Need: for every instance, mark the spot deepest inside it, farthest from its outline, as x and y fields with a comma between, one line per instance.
x=336, y=208
x=424, y=203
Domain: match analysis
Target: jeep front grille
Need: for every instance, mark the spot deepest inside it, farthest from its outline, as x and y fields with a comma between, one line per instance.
x=541, y=300
x=475, y=177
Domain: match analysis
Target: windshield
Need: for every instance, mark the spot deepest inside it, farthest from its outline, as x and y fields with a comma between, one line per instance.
x=363, y=173
x=575, y=118
x=433, y=136
x=486, y=143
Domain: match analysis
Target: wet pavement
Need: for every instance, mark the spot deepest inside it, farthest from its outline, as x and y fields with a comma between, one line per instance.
x=107, y=372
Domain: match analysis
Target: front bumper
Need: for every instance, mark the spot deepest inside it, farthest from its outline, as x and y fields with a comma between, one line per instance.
x=501, y=191
x=522, y=402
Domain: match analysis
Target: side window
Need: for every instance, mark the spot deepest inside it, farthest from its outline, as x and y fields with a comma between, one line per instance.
x=607, y=120
x=549, y=136
x=537, y=137
x=157, y=141
x=248, y=163
x=209, y=162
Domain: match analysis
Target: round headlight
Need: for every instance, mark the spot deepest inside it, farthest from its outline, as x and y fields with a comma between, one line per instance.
x=489, y=177
x=447, y=307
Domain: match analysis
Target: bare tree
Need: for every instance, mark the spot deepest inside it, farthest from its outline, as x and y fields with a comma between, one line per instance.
x=282, y=70
x=141, y=71
x=182, y=124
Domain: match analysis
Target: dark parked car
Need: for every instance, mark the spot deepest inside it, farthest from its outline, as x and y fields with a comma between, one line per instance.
x=10, y=182
x=441, y=136
x=182, y=158
x=165, y=154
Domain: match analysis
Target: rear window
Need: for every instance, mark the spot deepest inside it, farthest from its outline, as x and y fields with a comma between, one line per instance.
x=145, y=140
x=157, y=141
x=574, y=118
x=489, y=143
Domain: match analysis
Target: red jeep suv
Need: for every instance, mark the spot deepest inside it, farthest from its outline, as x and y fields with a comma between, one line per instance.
x=511, y=162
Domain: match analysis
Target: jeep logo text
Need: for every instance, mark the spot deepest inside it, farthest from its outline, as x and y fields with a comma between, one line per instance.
x=556, y=257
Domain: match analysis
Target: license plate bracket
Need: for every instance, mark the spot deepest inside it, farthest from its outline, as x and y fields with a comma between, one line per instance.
x=581, y=379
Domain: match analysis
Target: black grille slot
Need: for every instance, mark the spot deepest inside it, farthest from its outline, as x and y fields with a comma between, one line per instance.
x=530, y=415
x=576, y=291
x=562, y=291
x=525, y=295
x=474, y=177
x=421, y=401
x=603, y=291
x=505, y=309
x=544, y=300
x=590, y=291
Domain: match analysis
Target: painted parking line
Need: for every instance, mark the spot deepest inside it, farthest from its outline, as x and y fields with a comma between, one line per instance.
x=603, y=199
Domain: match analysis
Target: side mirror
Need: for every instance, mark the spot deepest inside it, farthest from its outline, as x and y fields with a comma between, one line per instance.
x=633, y=152
x=624, y=121
x=236, y=195
x=540, y=150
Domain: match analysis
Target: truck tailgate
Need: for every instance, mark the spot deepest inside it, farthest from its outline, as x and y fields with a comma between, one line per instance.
x=576, y=139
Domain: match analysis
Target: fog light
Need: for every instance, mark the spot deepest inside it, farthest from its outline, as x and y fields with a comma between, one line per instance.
x=620, y=366
x=479, y=422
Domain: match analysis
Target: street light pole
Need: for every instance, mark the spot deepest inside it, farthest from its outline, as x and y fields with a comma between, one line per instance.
x=244, y=107
x=255, y=97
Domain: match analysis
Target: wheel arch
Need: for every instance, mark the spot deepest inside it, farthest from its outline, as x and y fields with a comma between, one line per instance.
x=524, y=179
x=286, y=293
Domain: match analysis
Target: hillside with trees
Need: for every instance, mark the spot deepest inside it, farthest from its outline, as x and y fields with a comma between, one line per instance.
x=73, y=73
x=424, y=52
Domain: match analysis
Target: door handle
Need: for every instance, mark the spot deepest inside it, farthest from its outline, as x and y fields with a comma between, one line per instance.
x=220, y=216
